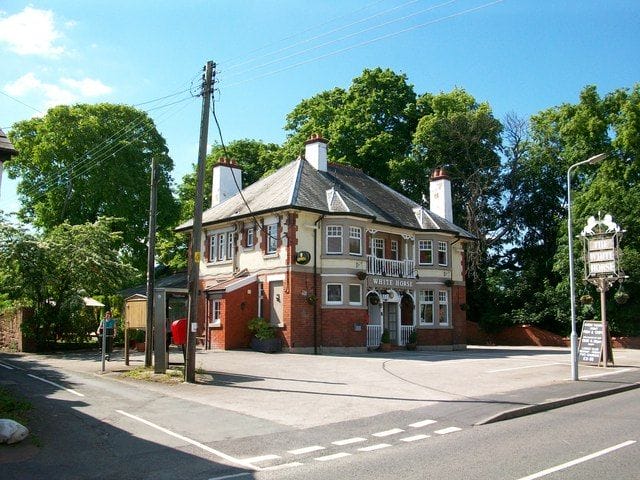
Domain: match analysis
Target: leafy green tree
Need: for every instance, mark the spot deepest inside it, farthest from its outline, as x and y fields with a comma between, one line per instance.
x=52, y=272
x=367, y=125
x=81, y=162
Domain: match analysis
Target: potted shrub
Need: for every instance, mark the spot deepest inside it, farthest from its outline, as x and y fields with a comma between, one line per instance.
x=412, y=341
x=264, y=338
x=385, y=341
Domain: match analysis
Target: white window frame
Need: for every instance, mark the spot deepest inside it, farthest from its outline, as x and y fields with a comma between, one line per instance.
x=355, y=239
x=249, y=232
x=426, y=297
x=215, y=308
x=222, y=247
x=333, y=232
x=213, y=247
x=271, y=233
x=443, y=253
x=352, y=288
x=395, y=252
x=425, y=246
x=443, y=305
x=334, y=302
x=231, y=242
x=377, y=244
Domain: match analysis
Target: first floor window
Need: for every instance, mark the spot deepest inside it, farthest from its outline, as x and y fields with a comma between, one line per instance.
x=272, y=238
x=334, y=239
x=378, y=247
x=231, y=237
x=443, y=307
x=426, y=307
x=221, y=246
x=394, y=250
x=334, y=293
x=425, y=252
x=355, y=240
x=248, y=237
x=442, y=253
x=214, y=313
x=355, y=294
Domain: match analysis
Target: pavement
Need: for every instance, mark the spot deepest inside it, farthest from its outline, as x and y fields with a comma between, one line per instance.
x=477, y=386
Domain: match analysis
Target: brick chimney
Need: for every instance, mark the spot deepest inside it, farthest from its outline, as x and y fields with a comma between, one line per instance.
x=440, y=201
x=224, y=186
x=315, y=152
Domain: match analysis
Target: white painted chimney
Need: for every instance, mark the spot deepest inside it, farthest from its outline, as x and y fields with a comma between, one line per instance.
x=315, y=152
x=224, y=186
x=440, y=201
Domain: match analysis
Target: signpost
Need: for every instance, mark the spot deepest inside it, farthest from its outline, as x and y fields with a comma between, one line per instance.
x=602, y=269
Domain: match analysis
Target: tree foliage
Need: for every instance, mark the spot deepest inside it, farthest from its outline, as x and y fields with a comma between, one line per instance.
x=81, y=162
x=52, y=272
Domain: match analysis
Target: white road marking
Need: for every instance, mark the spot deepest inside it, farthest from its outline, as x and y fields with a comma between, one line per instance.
x=335, y=456
x=414, y=438
x=301, y=451
x=374, y=447
x=524, y=367
x=349, y=441
x=283, y=466
x=386, y=433
x=262, y=458
x=70, y=390
x=610, y=372
x=422, y=423
x=195, y=443
x=235, y=475
x=444, y=431
x=8, y=367
x=557, y=468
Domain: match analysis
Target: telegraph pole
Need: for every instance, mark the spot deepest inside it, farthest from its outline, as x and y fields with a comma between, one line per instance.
x=194, y=260
x=151, y=262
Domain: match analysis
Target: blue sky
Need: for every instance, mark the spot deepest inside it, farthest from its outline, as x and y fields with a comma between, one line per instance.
x=521, y=56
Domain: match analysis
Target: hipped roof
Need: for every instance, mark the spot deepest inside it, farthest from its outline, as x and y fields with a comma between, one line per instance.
x=298, y=185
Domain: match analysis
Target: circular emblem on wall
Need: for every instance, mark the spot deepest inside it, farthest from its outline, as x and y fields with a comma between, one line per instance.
x=303, y=257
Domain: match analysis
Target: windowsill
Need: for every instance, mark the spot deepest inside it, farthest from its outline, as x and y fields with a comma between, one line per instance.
x=219, y=262
x=271, y=255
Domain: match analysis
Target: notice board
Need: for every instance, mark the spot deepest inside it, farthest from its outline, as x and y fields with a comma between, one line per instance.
x=590, y=349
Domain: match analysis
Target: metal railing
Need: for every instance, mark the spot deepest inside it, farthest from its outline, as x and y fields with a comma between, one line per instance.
x=374, y=332
x=405, y=331
x=390, y=268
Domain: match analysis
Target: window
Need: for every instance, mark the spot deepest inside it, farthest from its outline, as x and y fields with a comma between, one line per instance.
x=221, y=247
x=355, y=240
x=426, y=307
x=425, y=252
x=272, y=238
x=222, y=237
x=213, y=250
x=442, y=253
x=334, y=294
x=378, y=247
x=231, y=237
x=334, y=239
x=248, y=237
x=394, y=250
x=355, y=294
x=214, y=313
x=443, y=307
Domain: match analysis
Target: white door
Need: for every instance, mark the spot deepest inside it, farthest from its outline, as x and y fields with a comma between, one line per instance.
x=275, y=298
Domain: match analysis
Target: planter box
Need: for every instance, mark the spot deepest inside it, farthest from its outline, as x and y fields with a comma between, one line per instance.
x=267, y=345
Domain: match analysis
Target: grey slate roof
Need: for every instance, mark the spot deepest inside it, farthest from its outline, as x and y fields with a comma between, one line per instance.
x=299, y=185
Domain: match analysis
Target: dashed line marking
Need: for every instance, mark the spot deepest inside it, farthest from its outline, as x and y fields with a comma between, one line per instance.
x=70, y=390
x=262, y=458
x=612, y=372
x=387, y=433
x=335, y=456
x=374, y=447
x=523, y=367
x=8, y=367
x=349, y=441
x=423, y=423
x=415, y=438
x=444, y=431
x=301, y=451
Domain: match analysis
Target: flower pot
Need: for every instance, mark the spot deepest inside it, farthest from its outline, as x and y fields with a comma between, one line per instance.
x=412, y=346
x=266, y=345
x=385, y=347
x=140, y=346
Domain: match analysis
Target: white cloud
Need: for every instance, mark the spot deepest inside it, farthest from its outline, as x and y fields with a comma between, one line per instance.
x=88, y=87
x=31, y=32
x=68, y=90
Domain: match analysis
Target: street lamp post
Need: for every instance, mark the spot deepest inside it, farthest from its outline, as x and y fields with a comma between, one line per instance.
x=572, y=287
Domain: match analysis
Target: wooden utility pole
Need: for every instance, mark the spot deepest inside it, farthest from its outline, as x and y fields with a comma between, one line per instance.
x=151, y=263
x=196, y=235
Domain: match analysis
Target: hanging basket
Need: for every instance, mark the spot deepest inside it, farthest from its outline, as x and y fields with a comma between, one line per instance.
x=361, y=275
x=586, y=299
x=374, y=300
x=621, y=297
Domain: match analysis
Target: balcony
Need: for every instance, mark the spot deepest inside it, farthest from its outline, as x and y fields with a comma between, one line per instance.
x=390, y=268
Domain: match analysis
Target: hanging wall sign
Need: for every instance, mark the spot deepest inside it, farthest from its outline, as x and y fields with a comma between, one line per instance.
x=303, y=257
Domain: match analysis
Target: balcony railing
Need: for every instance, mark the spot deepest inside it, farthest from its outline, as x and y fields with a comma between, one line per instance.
x=390, y=268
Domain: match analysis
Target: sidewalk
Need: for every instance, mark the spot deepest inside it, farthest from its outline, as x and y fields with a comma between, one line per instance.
x=480, y=384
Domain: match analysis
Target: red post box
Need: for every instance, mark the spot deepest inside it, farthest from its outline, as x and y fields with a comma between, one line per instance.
x=179, y=331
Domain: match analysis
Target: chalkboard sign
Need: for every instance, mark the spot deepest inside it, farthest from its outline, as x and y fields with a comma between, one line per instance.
x=590, y=349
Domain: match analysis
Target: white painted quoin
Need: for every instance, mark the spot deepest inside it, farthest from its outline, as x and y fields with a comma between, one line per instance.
x=332, y=258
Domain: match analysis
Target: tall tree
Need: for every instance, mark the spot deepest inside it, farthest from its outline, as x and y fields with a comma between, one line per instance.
x=81, y=162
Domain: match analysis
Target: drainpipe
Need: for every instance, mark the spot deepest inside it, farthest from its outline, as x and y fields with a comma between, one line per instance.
x=315, y=284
